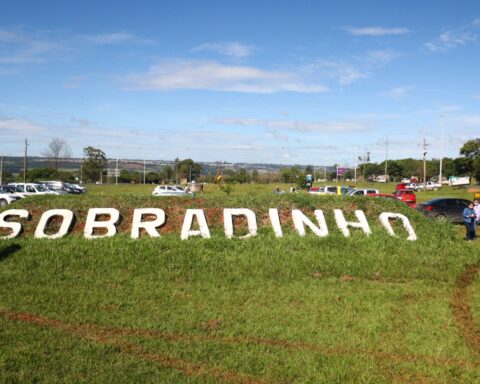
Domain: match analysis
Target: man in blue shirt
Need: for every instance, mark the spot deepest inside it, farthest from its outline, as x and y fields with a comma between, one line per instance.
x=469, y=218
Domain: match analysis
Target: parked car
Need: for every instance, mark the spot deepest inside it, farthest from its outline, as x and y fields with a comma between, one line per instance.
x=330, y=190
x=415, y=187
x=170, y=190
x=30, y=189
x=407, y=196
x=444, y=208
x=362, y=191
x=432, y=186
x=76, y=187
x=61, y=187
x=11, y=190
x=7, y=196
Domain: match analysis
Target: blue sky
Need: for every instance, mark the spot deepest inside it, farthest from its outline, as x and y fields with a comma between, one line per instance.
x=292, y=82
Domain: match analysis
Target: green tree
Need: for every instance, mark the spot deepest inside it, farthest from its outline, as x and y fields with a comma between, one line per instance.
x=152, y=178
x=448, y=167
x=255, y=176
x=167, y=174
x=290, y=174
x=471, y=150
x=94, y=164
x=188, y=169
x=395, y=169
x=124, y=177
x=463, y=166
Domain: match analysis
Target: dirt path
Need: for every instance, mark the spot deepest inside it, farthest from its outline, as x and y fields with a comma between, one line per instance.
x=114, y=335
x=462, y=310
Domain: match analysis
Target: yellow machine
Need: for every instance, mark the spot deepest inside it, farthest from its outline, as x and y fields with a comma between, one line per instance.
x=476, y=193
x=218, y=179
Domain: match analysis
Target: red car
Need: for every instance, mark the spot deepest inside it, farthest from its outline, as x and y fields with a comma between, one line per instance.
x=407, y=197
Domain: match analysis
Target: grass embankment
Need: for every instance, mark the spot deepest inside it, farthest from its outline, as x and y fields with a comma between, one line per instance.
x=242, y=189
x=259, y=310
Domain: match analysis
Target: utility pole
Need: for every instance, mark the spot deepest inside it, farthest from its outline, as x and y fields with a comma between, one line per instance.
x=116, y=172
x=144, y=171
x=441, y=151
x=424, y=151
x=1, y=169
x=25, y=162
x=364, y=159
x=355, y=171
x=386, y=161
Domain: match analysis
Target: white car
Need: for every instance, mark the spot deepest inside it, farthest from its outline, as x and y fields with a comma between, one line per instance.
x=6, y=196
x=170, y=190
x=11, y=190
x=32, y=189
x=362, y=192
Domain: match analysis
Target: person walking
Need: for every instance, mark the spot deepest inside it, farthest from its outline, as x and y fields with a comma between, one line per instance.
x=476, y=208
x=469, y=219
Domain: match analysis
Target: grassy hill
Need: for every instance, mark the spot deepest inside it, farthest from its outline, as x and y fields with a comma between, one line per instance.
x=376, y=309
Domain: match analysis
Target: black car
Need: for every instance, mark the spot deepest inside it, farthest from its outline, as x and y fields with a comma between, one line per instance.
x=444, y=209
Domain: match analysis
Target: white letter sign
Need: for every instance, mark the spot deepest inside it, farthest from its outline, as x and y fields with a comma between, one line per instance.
x=228, y=214
x=15, y=227
x=149, y=226
x=188, y=221
x=343, y=224
x=300, y=220
x=67, y=219
x=385, y=220
x=109, y=224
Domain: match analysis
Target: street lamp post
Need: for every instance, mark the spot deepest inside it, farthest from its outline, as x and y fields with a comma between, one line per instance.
x=364, y=159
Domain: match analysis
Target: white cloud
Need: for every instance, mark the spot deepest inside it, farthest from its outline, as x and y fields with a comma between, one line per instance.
x=449, y=108
x=14, y=125
x=113, y=38
x=466, y=120
x=463, y=35
x=23, y=46
x=215, y=76
x=381, y=57
x=376, y=31
x=7, y=36
x=398, y=93
x=234, y=49
x=297, y=126
x=341, y=71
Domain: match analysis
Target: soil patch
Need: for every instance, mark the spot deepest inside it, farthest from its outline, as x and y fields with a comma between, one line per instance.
x=462, y=310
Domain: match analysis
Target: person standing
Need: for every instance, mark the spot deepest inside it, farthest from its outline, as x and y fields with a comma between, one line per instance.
x=476, y=208
x=469, y=219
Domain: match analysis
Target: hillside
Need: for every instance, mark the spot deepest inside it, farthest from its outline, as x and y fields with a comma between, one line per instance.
x=259, y=310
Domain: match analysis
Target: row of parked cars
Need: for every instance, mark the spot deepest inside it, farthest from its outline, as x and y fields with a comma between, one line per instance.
x=440, y=209
x=15, y=191
x=405, y=195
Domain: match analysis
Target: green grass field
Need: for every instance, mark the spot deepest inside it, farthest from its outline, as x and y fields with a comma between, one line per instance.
x=375, y=309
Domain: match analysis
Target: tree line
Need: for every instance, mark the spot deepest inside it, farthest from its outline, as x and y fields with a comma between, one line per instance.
x=94, y=169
